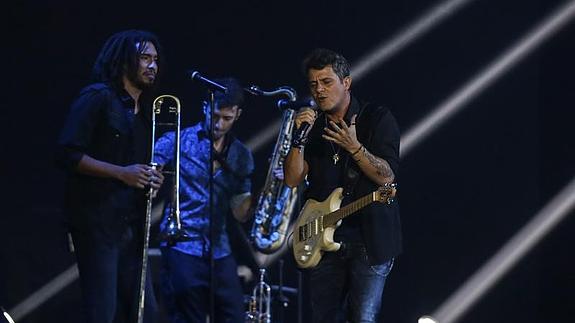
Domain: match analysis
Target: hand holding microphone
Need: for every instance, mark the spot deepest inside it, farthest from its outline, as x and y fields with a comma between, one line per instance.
x=303, y=122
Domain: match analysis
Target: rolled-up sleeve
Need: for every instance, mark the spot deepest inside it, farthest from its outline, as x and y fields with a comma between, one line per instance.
x=386, y=141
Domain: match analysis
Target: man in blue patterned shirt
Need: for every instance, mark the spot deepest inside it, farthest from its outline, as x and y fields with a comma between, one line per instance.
x=186, y=265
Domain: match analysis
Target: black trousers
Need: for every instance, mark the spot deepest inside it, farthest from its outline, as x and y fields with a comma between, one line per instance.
x=110, y=276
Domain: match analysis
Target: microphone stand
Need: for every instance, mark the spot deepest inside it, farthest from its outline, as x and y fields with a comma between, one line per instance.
x=299, y=297
x=282, y=299
x=210, y=208
x=212, y=86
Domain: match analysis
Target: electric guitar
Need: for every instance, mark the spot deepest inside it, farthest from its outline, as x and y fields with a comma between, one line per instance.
x=317, y=221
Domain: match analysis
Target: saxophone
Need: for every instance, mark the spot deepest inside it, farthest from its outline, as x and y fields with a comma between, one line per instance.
x=276, y=201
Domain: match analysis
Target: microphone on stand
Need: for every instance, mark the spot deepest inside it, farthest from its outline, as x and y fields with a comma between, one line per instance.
x=212, y=85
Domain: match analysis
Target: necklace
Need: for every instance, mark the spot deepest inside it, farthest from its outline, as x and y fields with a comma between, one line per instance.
x=335, y=156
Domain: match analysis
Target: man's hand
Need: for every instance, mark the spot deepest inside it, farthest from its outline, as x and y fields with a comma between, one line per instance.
x=242, y=207
x=343, y=135
x=140, y=176
x=305, y=115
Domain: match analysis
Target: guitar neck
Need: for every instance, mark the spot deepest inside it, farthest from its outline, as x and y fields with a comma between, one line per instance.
x=333, y=217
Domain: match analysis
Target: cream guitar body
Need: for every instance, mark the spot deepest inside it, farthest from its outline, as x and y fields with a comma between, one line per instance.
x=317, y=222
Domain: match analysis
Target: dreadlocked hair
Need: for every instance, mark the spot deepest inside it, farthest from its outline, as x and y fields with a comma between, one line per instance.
x=120, y=55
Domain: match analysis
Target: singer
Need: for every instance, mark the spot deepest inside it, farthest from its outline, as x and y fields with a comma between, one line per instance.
x=353, y=145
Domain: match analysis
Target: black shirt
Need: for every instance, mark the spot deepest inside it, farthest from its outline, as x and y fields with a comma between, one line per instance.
x=377, y=226
x=102, y=125
x=325, y=175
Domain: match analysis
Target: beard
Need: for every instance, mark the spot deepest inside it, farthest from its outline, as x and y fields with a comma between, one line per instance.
x=142, y=82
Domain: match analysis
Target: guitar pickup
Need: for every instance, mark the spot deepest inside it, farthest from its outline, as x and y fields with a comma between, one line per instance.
x=304, y=232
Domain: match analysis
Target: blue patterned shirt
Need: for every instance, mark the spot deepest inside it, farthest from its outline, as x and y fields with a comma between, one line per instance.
x=230, y=181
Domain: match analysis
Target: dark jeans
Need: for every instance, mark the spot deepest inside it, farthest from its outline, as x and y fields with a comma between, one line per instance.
x=186, y=283
x=345, y=287
x=110, y=277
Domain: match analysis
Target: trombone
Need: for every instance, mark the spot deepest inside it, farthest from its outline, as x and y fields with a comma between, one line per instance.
x=173, y=232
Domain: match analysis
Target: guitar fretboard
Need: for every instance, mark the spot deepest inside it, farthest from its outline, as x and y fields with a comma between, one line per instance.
x=332, y=218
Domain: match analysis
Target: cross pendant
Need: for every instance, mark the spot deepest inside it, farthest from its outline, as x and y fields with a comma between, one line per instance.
x=335, y=158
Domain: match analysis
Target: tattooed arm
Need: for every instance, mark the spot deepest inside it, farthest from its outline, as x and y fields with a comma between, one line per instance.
x=376, y=168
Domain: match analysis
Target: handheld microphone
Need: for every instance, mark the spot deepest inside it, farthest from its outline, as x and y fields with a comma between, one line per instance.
x=299, y=137
x=298, y=104
x=212, y=85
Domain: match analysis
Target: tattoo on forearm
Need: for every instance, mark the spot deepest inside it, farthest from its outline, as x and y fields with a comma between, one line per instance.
x=381, y=166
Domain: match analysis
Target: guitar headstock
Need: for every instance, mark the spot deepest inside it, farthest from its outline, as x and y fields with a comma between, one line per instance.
x=386, y=193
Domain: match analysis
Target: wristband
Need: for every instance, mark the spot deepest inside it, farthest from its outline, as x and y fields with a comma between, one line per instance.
x=299, y=143
x=358, y=150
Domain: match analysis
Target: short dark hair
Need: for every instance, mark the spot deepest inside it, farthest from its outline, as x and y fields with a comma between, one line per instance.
x=234, y=94
x=120, y=56
x=319, y=58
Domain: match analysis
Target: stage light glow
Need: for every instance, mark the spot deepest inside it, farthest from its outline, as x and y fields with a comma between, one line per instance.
x=270, y=133
x=559, y=207
x=406, y=36
x=427, y=319
x=516, y=248
x=477, y=84
x=7, y=316
x=379, y=55
x=46, y=292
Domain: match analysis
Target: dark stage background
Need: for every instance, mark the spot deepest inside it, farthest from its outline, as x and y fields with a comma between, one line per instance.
x=464, y=191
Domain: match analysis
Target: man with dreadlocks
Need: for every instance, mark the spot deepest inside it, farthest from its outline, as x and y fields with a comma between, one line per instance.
x=104, y=148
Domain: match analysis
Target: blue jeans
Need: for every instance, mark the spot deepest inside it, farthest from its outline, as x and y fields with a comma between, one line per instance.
x=344, y=286
x=185, y=286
